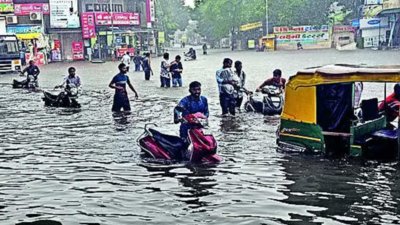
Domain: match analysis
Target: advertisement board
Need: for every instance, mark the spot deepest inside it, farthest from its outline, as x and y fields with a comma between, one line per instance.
x=120, y=19
x=374, y=23
x=77, y=50
x=64, y=14
x=26, y=9
x=251, y=26
x=370, y=11
x=6, y=6
x=391, y=4
x=313, y=37
x=373, y=2
x=300, y=29
x=122, y=51
x=251, y=44
x=88, y=25
x=161, y=37
x=25, y=31
x=38, y=58
x=344, y=29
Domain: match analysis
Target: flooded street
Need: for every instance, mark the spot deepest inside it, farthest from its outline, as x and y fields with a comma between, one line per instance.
x=83, y=166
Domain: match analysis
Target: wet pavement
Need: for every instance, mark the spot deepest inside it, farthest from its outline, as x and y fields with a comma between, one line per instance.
x=82, y=166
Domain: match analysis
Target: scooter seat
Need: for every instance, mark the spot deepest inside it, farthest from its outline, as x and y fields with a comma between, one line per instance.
x=172, y=144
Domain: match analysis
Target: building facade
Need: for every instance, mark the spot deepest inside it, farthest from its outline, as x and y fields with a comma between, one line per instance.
x=66, y=30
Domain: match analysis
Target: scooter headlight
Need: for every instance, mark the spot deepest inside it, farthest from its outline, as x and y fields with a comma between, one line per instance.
x=203, y=122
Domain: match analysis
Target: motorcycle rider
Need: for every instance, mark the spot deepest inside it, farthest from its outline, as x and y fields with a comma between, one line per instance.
x=32, y=70
x=194, y=103
x=276, y=81
x=72, y=78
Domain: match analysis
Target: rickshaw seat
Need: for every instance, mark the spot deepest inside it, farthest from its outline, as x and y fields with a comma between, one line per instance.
x=370, y=110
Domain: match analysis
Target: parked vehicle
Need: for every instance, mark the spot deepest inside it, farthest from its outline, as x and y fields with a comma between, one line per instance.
x=9, y=53
x=201, y=146
x=269, y=102
x=320, y=114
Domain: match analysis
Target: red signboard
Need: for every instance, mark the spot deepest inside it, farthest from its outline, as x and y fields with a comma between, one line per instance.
x=88, y=26
x=77, y=50
x=6, y=1
x=119, y=18
x=26, y=9
x=344, y=29
x=38, y=58
x=121, y=52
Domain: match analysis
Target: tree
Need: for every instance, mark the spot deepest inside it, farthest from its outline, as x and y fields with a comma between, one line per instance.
x=218, y=18
x=171, y=16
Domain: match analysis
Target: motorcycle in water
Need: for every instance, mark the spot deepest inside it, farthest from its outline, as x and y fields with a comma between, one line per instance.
x=29, y=83
x=270, y=102
x=67, y=98
x=201, y=146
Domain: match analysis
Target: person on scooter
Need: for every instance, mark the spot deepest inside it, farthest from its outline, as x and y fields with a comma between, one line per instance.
x=32, y=70
x=118, y=83
x=276, y=81
x=72, y=78
x=194, y=103
x=391, y=105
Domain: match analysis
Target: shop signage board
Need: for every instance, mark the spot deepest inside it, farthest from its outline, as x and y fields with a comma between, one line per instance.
x=251, y=26
x=374, y=23
x=391, y=4
x=88, y=25
x=38, y=58
x=119, y=19
x=77, y=50
x=251, y=44
x=161, y=37
x=300, y=29
x=344, y=29
x=373, y=2
x=6, y=6
x=311, y=37
x=64, y=14
x=26, y=9
x=56, y=51
x=122, y=51
x=25, y=31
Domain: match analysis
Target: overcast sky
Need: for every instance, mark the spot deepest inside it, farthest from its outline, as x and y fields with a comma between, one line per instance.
x=190, y=2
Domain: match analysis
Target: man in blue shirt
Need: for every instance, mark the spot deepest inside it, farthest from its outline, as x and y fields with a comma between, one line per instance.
x=194, y=103
x=119, y=82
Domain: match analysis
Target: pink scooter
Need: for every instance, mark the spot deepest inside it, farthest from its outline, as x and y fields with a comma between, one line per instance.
x=201, y=146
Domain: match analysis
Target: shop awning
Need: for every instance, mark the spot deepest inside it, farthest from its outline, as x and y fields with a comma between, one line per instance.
x=389, y=11
x=29, y=36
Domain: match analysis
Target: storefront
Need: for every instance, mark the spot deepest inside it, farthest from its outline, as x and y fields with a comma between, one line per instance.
x=34, y=43
x=343, y=35
x=375, y=31
x=64, y=29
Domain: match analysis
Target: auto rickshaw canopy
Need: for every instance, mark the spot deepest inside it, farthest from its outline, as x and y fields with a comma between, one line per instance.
x=301, y=90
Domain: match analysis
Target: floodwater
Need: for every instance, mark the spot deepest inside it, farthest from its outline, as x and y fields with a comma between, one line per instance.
x=64, y=166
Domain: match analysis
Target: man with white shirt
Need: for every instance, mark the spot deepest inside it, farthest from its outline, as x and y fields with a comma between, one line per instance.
x=126, y=59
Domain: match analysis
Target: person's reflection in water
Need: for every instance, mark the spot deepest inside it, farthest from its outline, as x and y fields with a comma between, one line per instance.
x=230, y=124
x=197, y=183
x=121, y=120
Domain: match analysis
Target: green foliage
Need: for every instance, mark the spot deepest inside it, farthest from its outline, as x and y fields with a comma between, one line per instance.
x=217, y=18
x=171, y=16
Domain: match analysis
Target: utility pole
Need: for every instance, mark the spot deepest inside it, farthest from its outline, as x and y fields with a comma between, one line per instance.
x=267, y=16
x=112, y=30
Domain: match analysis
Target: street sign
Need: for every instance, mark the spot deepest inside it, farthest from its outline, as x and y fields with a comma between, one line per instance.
x=118, y=40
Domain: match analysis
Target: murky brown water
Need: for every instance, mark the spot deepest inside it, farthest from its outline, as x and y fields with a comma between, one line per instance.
x=83, y=166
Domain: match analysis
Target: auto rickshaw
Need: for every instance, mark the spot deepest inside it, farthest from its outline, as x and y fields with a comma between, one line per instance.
x=320, y=114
